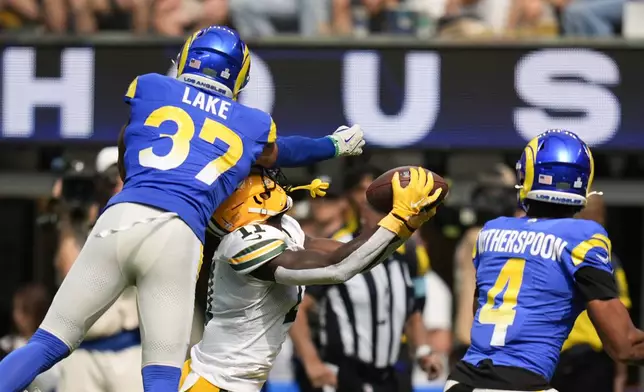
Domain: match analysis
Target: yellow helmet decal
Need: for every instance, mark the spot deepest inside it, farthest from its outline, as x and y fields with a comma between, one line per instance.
x=255, y=200
x=243, y=73
x=530, y=156
x=591, y=176
x=316, y=188
x=184, y=53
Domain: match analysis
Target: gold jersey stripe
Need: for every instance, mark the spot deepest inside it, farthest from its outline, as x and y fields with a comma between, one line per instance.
x=256, y=250
x=261, y=258
x=606, y=241
x=579, y=252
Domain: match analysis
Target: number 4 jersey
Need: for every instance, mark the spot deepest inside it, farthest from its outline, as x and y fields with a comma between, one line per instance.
x=247, y=319
x=529, y=294
x=187, y=150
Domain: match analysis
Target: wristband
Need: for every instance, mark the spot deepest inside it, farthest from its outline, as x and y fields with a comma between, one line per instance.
x=335, y=144
x=396, y=225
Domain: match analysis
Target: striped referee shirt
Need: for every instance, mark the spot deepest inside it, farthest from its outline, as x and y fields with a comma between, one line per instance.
x=364, y=317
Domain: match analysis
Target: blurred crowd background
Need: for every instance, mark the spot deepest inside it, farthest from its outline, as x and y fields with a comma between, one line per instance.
x=53, y=187
x=424, y=18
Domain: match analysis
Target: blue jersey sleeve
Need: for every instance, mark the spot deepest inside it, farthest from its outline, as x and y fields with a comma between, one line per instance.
x=590, y=247
x=294, y=151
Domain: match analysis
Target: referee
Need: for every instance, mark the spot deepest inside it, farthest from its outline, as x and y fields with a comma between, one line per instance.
x=584, y=365
x=362, y=321
x=349, y=198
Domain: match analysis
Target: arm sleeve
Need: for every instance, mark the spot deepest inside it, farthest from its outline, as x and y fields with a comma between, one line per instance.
x=377, y=248
x=294, y=151
x=594, y=284
x=248, y=248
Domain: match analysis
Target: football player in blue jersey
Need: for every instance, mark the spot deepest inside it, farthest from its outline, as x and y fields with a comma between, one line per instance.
x=186, y=147
x=534, y=276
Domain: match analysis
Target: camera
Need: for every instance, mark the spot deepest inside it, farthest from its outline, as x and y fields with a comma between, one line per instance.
x=78, y=188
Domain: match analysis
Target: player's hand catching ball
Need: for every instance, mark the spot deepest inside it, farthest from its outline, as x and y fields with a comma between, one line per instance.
x=410, y=204
x=348, y=140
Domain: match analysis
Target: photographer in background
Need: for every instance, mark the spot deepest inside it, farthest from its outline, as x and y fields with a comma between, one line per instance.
x=109, y=358
x=493, y=196
x=84, y=195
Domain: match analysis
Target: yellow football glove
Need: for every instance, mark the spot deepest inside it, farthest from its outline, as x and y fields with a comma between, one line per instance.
x=409, y=210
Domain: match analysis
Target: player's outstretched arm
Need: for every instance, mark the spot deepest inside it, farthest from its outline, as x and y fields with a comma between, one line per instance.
x=308, y=267
x=294, y=151
x=621, y=339
x=590, y=264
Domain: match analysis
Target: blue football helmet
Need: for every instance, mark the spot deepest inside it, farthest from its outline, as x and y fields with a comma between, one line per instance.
x=555, y=167
x=215, y=59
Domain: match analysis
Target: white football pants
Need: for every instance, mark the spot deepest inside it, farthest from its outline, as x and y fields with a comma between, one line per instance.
x=160, y=256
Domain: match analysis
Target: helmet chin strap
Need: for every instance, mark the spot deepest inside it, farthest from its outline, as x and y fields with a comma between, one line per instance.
x=264, y=211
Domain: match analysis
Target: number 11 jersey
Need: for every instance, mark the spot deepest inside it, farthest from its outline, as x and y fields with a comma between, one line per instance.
x=247, y=319
x=187, y=150
x=528, y=299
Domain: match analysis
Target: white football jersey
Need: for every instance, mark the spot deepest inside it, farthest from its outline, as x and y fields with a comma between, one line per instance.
x=247, y=319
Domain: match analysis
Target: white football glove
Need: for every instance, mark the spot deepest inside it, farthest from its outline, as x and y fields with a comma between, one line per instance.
x=348, y=141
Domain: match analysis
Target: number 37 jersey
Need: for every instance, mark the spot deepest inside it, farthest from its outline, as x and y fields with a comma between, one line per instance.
x=186, y=150
x=525, y=276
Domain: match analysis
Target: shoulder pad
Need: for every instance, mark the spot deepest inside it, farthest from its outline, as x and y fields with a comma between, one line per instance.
x=251, y=246
x=589, y=243
x=578, y=231
x=495, y=222
x=262, y=127
x=585, y=228
x=141, y=85
x=293, y=230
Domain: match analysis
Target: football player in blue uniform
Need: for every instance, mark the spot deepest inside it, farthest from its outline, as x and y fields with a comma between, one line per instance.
x=534, y=276
x=187, y=146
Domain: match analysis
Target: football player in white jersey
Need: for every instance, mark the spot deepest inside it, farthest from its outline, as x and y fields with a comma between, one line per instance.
x=260, y=266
